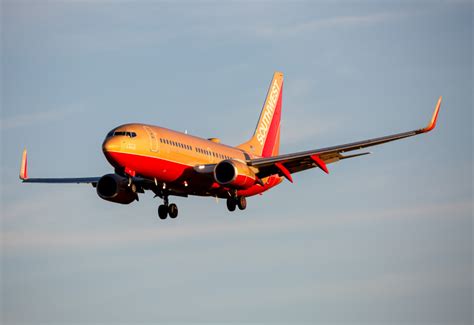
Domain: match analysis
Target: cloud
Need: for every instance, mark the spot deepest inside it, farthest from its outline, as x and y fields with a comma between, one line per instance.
x=298, y=129
x=29, y=239
x=315, y=25
x=28, y=119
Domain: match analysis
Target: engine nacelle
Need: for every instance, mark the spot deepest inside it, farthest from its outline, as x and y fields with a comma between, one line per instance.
x=114, y=188
x=234, y=173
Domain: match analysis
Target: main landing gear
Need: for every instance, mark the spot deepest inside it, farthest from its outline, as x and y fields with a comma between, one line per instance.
x=234, y=202
x=166, y=209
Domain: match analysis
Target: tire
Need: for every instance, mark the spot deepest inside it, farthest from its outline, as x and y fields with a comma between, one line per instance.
x=173, y=210
x=231, y=204
x=242, y=202
x=162, y=211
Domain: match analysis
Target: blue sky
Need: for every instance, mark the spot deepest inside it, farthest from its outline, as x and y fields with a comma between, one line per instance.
x=386, y=238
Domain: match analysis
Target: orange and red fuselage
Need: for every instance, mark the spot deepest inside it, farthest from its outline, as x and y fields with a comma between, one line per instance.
x=170, y=157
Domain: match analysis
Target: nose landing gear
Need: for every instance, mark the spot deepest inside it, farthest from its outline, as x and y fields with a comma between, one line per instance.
x=166, y=209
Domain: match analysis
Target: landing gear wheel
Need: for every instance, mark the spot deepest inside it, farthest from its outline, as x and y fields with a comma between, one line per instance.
x=162, y=211
x=231, y=204
x=242, y=202
x=173, y=210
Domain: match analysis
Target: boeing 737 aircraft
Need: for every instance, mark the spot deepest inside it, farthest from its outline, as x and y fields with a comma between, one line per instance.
x=171, y=163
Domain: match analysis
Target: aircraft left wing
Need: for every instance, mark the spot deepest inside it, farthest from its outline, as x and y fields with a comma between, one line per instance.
x=287, y=164
x=24, y=176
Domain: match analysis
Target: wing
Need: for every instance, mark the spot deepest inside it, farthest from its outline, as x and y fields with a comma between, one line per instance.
x=287, y=164
x=24, y=176
x=142, y=183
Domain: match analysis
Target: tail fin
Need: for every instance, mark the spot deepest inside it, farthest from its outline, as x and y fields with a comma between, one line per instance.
x=265, y=141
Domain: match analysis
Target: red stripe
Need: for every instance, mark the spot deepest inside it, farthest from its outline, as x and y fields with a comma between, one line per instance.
x=150, y=167
x=257, y=189
x=169, y=171
x=273, y=131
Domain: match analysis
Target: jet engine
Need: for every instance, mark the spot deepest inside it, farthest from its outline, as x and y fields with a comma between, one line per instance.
x=115, y=188
x=234, y=173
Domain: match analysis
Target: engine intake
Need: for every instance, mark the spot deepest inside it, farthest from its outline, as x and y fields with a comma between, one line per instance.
x=234, y=173
x=114, y=188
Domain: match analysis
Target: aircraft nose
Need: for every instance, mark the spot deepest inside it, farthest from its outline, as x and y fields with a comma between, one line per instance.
x=110, y=145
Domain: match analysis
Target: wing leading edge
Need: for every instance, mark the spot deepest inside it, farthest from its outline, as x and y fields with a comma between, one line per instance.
x=287, y=164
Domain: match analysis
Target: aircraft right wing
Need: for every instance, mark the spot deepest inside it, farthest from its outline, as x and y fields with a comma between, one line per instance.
x=285, y=165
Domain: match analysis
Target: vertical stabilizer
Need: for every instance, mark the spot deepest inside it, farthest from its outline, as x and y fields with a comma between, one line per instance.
x=265, y=141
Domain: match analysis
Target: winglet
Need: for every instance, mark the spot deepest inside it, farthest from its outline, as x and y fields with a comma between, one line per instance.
x=24, y=166
x=434, y=118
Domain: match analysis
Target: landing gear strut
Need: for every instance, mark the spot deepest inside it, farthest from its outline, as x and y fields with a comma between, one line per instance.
x=234, y=202
x=167, y=209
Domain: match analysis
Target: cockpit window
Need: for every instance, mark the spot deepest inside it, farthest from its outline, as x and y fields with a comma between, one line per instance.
x=121, y=133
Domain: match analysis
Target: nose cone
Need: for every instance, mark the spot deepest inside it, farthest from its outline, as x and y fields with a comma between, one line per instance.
x=110, y=145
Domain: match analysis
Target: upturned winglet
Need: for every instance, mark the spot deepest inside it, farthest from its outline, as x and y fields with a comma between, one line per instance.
x=434, y=118
x=24, y=166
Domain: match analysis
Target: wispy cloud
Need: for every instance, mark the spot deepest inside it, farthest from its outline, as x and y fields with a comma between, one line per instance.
x=315, y=25
x=28, y=239
x=297, y=129
x=28, y=119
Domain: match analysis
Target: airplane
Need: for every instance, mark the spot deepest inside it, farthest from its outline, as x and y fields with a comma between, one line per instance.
x=171, y=163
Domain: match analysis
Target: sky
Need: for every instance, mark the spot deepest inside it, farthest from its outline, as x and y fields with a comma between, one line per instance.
x=383, y=239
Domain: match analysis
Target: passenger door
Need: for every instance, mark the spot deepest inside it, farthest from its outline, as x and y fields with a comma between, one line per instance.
x=153, y=139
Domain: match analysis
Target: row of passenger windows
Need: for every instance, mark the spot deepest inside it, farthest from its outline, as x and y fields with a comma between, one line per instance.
x=198, y=150
x=213, y=154
x=176, y=144
x=125, y=133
